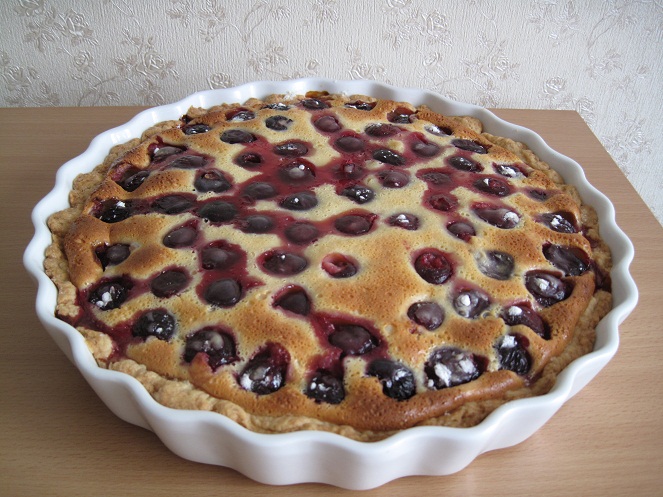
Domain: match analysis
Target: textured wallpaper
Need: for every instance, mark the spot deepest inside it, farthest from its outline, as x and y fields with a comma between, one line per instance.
x=603, y=59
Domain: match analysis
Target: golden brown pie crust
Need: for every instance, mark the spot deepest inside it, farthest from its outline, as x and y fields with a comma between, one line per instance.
x=378, y=296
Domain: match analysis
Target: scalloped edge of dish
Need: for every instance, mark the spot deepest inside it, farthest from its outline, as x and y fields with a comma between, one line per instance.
x=311, y=456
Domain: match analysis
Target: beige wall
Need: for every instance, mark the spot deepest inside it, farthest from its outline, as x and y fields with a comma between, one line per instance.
x=601, y=58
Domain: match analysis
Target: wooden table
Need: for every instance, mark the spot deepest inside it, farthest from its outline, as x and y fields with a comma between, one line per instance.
x=57, y=438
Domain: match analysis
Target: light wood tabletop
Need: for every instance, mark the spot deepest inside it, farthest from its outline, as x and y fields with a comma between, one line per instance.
x=58, y=438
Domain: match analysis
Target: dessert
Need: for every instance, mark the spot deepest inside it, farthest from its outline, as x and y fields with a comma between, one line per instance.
x=330, y=262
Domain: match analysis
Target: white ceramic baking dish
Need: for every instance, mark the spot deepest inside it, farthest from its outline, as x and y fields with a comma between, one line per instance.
x=318, y=456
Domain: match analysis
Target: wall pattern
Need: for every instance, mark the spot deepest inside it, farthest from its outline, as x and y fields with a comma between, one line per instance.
x=602, y=58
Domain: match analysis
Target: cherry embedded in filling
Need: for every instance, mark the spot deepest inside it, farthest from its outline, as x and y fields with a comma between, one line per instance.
x=427, y=314
x=295, y=300
x=328, y=124
x=443, y=202
x=256, y=223
x=397, y=380
x=300, y=201
x=359, y=105
x=500, y=217
x=349, y=171
x=157, y=323
x=249, y=159
x=189, y=162
x=546, y=288
x=339, y=266
x=225, y=292
x=349, y=144
x=352, y=339
x=264, y=374
x=495, y=264
x=524, y=315
x=404, y=220
x=508, y=170
x=380, y=130
x=462, y=230
x=183, y=236
x=132, y=179
x=470, y=303
x=113, y=210
x=469, y=145
x=425, y=148
x=161, y=152
x=218, y=257
x=169, y=283
x=233, y=136
x=195, y=129
x=172, y=204
x=359, y=194
x=291, y=149
x=387, y=156
x=211, y=181
x=298, y=171
x=393, y=179
x=325, y=387
x=434, y=178
x=493, y=186
x=513, y=355
x=259, y=190
x=217, y=211
x=354, y=224
x=216, y=344
x=301, y=233
x=438, y=131
x=278, y=123
x=280, y=263
x=112, y=255
x=571, y=260
x=109, y=294
x=239, y=115
x=464, y=164
x=433, y=266
x=314, y=104
x=449, y=366
x=400, y=115
x=561, y=222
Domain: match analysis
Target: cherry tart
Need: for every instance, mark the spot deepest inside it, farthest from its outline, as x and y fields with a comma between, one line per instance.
x=330, y=262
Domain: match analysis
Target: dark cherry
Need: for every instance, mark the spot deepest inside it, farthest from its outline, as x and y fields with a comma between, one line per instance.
x=462, y=230
x=132, y=179
x=291, y=149
x=443, y=202
x=217, y=211
x=339, y=266
x=427, y=314
x=380, y=130
x=525, y=315
x=387, y=156
x=189, y=162
x=438, y=131
x=294, y=300
x=111, y=255
x=211, y=181
x=470, y=303
x=469, y=145
x=233, y=136
x=493, y=186
x=172, y=204
x=464, y=164
x=264, y=374
x=159, y=153
x=571, y=260
x=195, y=129
x=540, y=195
x=354, y=224
x=397, y=380
x=240, y=115
x=508, y=170
x=434, y=178
x=404, y=220
x=215, y=257
x=513, y=355
x=277, y=106
x=183, y=236
x=249, y=159
x=349, y=144
x=425, y=149
x=562, y=222
x=156, y=323
x=495, y=264
x=259, y=190
x=352, y=339
x=433, y=266
x=325, y=387
x=349, y=171
x=400, y=115
x=359, y=194
x=500, y=217
x=314, y=103
x=217, y=345
x=361, y=105
x=448, y=367
x=300, y=201
x=282, y=263
x=169, y=283
x=328, y=124
x=299, y=171
x=278, y=123
x=225, y=292
x=393, y=179
x=546, y=288
x=109, y=294
x=301, y=233
x=113, y=210
x=256, y=223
